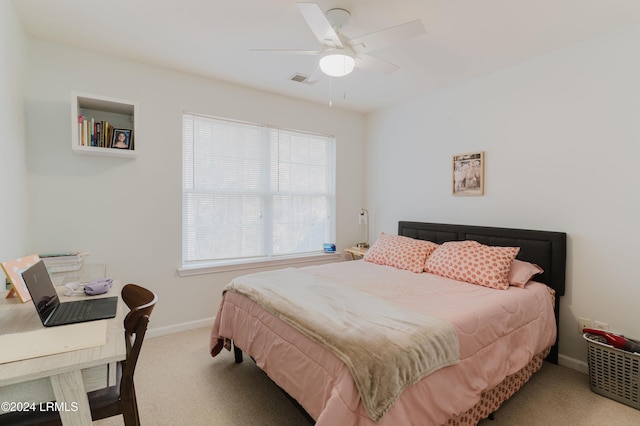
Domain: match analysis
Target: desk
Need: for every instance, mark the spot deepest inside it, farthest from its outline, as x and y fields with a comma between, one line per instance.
x=64, y=377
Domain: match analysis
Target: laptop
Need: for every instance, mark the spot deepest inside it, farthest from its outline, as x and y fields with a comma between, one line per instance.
x=52, y=312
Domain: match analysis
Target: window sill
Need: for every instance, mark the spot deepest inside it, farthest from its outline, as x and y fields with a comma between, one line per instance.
x=187, y=271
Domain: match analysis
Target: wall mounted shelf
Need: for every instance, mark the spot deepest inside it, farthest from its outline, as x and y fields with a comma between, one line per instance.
x=100, y=116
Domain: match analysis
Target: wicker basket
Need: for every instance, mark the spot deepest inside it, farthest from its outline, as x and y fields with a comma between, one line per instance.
x=613, y=373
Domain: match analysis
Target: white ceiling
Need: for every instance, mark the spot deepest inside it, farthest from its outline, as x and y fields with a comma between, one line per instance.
x=464, y=39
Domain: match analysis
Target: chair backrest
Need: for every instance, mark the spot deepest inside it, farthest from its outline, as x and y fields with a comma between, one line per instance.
x=141, y=303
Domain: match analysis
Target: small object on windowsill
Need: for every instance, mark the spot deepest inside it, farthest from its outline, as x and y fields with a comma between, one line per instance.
x=329, y=248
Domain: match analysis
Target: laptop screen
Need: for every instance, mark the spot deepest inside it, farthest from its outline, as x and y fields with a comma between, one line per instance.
x=41, y=288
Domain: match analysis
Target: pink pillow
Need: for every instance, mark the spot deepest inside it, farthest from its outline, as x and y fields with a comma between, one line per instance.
x=521, y=272
x=472, y=262
x=400, y=252
x=376, y=253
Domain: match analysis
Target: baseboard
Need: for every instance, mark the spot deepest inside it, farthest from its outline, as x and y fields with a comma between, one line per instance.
x=177, y=328
x=574, y=364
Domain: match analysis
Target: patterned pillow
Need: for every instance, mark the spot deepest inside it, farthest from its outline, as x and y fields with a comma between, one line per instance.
x=472, y=262
x=408, y=253
x=376, y=253
x=521, y=272
x=400, y=252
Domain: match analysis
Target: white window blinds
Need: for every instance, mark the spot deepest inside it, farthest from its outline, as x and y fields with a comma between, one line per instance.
x=253, y=192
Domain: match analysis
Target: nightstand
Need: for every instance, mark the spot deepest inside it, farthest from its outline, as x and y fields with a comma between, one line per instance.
x=356, y=251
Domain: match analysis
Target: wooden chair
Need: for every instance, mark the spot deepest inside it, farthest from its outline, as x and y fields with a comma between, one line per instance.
x=120, y=398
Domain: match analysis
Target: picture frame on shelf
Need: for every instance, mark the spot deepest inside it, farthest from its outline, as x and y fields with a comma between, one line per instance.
x=122, y=139
x=468, y=174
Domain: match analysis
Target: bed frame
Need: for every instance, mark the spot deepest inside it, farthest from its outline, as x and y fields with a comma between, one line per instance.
x=545, y=248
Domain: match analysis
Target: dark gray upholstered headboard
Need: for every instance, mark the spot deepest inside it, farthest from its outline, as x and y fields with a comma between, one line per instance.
x=545, y=248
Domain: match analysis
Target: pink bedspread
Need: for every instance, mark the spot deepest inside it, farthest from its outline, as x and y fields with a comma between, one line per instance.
x=499, y=332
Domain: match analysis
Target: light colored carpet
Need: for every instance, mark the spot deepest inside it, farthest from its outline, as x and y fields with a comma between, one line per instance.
x=177, y=382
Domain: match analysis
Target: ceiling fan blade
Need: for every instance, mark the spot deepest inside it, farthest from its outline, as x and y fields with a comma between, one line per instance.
x=380, y=39
x=289, y=51
x=374, y=64
x=319, y=24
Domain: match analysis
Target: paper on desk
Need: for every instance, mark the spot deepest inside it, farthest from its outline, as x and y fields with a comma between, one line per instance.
x=52, y=340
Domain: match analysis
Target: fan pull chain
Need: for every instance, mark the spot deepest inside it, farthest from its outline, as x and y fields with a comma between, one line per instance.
x=330, y=92
x=344, y=93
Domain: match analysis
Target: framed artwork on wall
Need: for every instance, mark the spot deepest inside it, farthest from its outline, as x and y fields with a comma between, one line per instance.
x=468, y=174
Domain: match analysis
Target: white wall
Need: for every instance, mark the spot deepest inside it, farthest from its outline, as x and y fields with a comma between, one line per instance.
x=127, y=213
x=13, y=171
x=561, y=135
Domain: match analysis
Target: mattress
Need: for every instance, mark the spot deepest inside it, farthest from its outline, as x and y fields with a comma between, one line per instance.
x=499, y=332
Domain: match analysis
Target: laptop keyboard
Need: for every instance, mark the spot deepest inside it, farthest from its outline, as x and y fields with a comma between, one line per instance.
x=74, y=311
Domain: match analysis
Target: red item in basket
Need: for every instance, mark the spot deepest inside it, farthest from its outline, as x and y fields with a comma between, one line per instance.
x=615, y=340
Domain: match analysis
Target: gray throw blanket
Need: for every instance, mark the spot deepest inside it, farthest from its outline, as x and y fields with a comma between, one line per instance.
x=386, y=347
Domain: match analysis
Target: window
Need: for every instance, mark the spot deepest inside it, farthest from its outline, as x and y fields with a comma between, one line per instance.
x=254, y=192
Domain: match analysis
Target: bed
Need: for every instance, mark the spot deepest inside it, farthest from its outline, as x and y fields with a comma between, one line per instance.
x=502, y=336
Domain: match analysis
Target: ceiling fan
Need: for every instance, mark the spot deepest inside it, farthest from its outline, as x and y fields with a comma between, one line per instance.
x=339, y=54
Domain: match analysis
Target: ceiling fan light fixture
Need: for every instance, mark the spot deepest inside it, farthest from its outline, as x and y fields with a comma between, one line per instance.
x=337, y=64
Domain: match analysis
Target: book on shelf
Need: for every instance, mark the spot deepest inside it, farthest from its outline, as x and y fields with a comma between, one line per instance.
x=108, y=129
x=92, y=132
x=84, y=131
x=80, y=139
x=98, y=134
